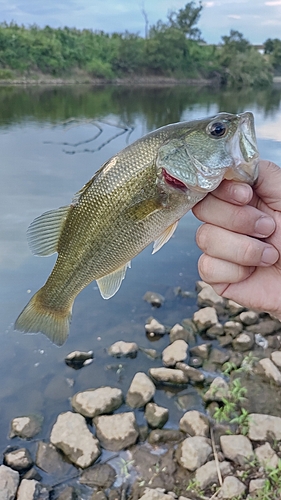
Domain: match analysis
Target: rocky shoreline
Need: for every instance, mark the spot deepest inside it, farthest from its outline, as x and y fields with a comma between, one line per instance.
x=229, y=448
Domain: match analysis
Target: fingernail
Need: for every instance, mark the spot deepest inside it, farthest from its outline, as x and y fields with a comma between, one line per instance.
x=241, y=193
x=264, y=226
x=270, y=255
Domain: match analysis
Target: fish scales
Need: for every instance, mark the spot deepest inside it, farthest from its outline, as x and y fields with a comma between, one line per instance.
x=137, y=197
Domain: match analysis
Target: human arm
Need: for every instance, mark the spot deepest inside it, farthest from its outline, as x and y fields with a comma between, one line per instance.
x=241, y=240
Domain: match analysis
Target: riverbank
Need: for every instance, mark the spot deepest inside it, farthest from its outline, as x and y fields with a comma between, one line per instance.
x=225, y=361
x=86, y=80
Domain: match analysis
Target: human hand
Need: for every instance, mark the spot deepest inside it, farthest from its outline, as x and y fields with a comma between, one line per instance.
x=241, y=240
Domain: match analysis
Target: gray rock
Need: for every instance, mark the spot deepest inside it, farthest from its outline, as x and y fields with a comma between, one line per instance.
x=205, y=318
x=68, y=493
x=218, y=356
x=9, y=481
x=236, y=447
x=19, y=459
x=276, y=358
x=99, y=495
x=150, y=353
x=193, y=374
x=153, y=326
x=266, y=327
x=175, y=352
x=234, y=308
x=193, y=452
x=256, y=484
x=26, y=427
x=93, y=402
x=100, y=475
x=218, y=389
x=264, y=427
x=233, y=328
x=154, y=298
x=202, y=351
x=78, y=359
x=162, y=436
x=195, y=423
x=266, y=456
x=116, y=432
x=269, y=370
x=29, y=489
x=207, y=474
x=141, y=391
x=178, y=332
x=121, y=348
x=32, y=474
x=50, y=460
x=154, y=494
x=225, y=340
x=249, y=317
x=231, y=488
x=155, y=415
x=244, y=341
x=215, y=331
x=71, y=435
x=168, y=375
x=208, y=297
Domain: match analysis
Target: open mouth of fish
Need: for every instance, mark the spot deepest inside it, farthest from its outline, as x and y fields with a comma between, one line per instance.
x=173, y=181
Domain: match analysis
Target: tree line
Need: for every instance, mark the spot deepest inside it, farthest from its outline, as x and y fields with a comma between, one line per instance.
x=173, y=48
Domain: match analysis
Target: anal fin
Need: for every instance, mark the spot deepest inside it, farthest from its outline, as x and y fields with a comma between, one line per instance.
x=110, y=284
x=164, y=237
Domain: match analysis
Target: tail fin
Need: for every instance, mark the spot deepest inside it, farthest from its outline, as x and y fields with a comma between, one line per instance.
x=36, y=317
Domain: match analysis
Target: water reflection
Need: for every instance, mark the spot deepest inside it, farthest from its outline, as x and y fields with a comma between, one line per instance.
x=38, y=173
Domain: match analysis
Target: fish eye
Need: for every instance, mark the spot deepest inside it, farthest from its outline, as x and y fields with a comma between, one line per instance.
x=218, y=129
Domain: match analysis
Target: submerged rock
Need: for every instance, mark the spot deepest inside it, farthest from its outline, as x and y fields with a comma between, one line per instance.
x=192, y=373
x=116, y=432
x=71, y=435
x=121, y=348
x=26, y=427
x=93, y=402
x=78, y=359
x=141, y=391
x=100, y=475
x=154, y=298
x=162, y=436
x=50, y=460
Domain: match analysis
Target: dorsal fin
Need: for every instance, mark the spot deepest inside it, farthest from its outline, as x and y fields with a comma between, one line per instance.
x=110, y=284
x=164, y=237
x=44, y=232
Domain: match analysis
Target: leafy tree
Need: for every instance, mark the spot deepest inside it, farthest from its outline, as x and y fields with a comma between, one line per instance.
x=186, y=19
x=272, y=47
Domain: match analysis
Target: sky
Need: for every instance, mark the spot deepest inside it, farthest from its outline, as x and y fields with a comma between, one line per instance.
x=257, y=20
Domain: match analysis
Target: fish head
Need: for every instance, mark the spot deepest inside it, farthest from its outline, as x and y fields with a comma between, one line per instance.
x=200, y=154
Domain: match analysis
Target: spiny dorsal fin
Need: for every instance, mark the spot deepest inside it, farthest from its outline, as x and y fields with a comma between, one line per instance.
x=164, y=237
x=44, y=232
x=110, y=284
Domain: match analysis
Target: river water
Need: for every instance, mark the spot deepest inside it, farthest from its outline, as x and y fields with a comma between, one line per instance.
x=52, y=140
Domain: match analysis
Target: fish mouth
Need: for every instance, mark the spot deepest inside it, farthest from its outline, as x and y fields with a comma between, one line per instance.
x=173, y=181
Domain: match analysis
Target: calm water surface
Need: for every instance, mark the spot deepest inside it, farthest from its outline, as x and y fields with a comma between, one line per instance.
x=49, y=149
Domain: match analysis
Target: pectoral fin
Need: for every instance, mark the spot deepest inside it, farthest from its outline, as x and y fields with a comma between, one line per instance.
x=164, y=237
x=44, y=232
x=110, y=284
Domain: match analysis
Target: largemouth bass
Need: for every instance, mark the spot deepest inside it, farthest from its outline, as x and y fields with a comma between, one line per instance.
x=137, y=197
